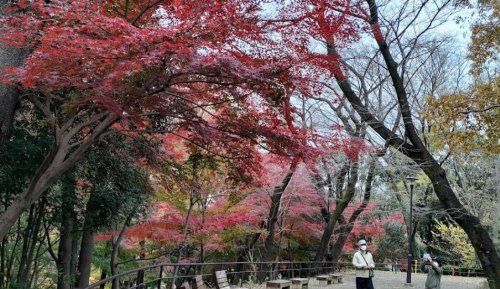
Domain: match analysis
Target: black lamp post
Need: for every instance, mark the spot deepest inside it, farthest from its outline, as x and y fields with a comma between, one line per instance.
x=411, y=181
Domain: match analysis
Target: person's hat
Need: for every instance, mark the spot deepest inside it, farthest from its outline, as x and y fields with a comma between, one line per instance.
x=361, y=242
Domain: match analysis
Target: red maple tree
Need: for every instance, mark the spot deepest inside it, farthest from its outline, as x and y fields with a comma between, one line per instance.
x=155, y=67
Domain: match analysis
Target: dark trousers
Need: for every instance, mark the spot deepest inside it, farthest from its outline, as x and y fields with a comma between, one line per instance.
x=364, y=283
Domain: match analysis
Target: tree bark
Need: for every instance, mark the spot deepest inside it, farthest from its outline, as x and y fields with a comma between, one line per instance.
x=74, y=253
x=85, y=257
x=58, y=161
x=346, y=227
x=9, y=96
x=341, y=204
x=26, y=244
x=273, y=216
x=64, y=253
x=64, y=278
x=26, y=270
x=10, y=262
x=3, y=246
x=478, y=235
x=36, y=269
x=87, y=245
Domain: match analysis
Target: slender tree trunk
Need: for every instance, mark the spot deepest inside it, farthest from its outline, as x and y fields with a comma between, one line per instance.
x=346, y=227
x=267, y=253
x=247, y=248
x=116, y=241
x=10, y=262
x=341, y=204
x=36, y=270
x=24, y=274
x=184, y=233
x=26, y=245
x=2, y=261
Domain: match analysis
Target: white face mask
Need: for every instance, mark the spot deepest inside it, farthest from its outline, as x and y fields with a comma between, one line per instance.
x=363, y=248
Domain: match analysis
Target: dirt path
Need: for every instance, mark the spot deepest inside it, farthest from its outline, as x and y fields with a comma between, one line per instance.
x=390, y=280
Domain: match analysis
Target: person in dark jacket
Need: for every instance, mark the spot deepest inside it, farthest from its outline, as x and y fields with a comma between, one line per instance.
x=434, y=273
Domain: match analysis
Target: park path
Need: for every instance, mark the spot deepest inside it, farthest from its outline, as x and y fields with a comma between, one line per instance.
x=391, y=280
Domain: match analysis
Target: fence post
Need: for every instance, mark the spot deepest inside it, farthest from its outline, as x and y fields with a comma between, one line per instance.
x=140, y=279
x=161, y=276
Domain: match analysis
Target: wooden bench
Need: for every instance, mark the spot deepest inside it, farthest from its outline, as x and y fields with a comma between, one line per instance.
x=198, y=283
x=337, y=278
x=300, y=283
x=221, y=281
x=280, y=284
x=324, y=280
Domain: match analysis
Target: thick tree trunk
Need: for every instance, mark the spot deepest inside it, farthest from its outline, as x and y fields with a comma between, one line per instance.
x=341, y=204
x=74, y=252
x=38, y=184
x=64, y=253
x=9, y=96
x=64, y=278
x=9, y=100
x=478, y=235
x=273, y=216
x=85, y=260
x=87, y=245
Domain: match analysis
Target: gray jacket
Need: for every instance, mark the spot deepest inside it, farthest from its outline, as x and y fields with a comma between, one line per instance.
x=434, y=273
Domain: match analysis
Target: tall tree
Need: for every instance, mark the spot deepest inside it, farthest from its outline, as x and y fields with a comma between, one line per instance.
x=9, y=96
x=395, y=44
x=89, y=71
x=413, y=146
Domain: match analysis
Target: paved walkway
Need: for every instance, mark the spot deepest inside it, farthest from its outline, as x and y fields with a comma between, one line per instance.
x=391, y=280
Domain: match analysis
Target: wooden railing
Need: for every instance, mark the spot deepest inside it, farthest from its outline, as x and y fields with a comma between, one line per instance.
x=163, y=275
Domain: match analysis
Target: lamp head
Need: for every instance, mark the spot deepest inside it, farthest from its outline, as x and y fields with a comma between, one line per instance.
x=411, y=179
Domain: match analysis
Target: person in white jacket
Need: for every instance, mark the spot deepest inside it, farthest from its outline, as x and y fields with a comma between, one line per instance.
x=363, y=262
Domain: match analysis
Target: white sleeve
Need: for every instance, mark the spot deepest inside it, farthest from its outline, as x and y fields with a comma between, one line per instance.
x=355, y=261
